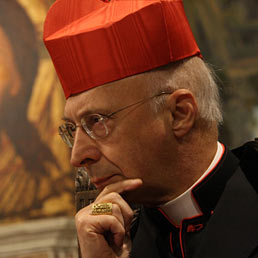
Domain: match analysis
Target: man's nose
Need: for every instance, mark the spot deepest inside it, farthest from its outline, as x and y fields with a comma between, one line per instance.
x=85, y=151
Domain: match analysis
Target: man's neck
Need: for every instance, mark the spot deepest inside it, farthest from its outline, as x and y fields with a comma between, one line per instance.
x=184, y=206
x=195, y=156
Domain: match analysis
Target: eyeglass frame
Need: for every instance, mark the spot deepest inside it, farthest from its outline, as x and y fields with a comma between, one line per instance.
x=67, y=138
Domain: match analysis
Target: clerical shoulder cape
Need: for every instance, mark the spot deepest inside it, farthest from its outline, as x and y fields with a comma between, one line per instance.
x=228, y=227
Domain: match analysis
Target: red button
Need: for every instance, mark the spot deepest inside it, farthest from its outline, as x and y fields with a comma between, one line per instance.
x=194, y=228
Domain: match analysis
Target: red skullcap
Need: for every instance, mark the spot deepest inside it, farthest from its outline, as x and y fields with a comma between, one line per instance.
x=93, y=42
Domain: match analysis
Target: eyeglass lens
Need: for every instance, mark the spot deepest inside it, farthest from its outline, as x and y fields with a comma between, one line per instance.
x=94, y=125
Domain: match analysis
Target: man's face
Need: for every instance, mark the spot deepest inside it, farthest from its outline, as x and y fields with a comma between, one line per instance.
x=139, y=143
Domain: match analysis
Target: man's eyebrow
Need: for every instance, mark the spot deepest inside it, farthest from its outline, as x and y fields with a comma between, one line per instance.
x=97, y=110
x=66, y=119
x=101, y=111
x=83, y=113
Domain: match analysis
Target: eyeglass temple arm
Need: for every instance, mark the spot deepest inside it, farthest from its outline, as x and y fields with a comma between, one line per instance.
x=138, y=102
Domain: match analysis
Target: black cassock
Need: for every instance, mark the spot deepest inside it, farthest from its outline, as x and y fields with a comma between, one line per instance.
x=228, y=227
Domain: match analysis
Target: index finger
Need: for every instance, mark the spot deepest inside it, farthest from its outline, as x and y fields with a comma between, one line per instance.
x=122, y=186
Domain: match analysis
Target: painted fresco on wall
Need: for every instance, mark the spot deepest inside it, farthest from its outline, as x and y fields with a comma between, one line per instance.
x=36, y=179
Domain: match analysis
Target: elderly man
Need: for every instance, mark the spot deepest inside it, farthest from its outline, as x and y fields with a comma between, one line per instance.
x=141, y=116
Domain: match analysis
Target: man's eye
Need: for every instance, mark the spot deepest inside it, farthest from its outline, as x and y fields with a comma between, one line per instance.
x=93, y=119
x=71, y=128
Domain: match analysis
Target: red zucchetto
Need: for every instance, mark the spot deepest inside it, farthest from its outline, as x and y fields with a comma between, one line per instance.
x=93, y=42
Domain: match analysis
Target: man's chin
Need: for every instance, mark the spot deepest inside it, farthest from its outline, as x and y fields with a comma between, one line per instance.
x=144, y=196
x=134, y=197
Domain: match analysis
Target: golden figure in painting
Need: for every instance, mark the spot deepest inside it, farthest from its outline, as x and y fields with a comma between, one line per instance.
x=35, y=177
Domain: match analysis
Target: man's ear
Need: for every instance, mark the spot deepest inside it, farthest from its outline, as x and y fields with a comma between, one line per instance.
x=183, y=107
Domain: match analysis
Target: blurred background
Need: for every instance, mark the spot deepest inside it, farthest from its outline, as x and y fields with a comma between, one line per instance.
x=36, y=180
x=227, y=34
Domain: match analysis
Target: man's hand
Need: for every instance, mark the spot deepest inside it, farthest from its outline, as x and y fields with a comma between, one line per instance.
x=107, y=236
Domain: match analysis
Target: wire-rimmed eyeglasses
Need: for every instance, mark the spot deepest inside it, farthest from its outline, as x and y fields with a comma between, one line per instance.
x=95, y=125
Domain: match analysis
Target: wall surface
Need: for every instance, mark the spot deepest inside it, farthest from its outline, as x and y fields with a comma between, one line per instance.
x=45, y=238
x=227, y=33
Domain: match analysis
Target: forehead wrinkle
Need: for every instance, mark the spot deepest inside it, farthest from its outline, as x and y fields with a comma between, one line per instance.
x=88, y=103
x=72, y=107
x=105, y=98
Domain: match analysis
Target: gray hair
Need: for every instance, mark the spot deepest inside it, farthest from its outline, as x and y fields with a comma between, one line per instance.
x=192, y=74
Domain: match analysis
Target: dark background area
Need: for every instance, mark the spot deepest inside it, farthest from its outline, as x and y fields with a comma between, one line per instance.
x=227, y=34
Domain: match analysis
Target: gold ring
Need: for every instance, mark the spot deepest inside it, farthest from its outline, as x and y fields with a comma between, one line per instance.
x=102, y=209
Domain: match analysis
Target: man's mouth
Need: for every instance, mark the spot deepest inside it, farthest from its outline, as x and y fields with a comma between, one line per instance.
x=101, y=182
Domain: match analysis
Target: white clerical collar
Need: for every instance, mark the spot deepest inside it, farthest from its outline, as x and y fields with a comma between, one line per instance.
x=184, y=206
